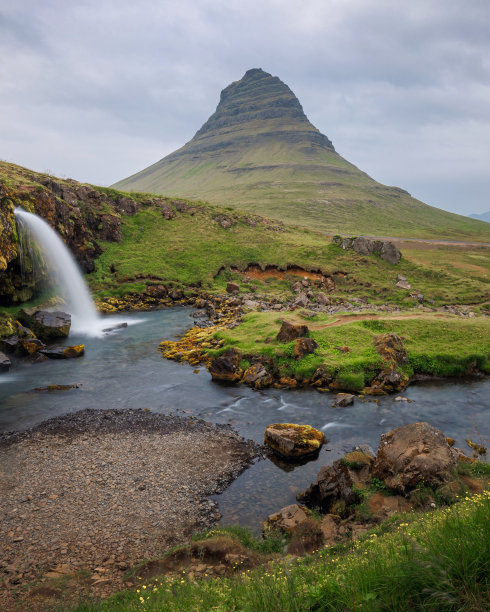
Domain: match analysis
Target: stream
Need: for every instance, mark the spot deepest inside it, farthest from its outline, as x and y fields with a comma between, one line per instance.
x=123, y=369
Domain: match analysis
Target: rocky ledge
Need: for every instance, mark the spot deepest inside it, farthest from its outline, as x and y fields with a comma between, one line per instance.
x=87, y=496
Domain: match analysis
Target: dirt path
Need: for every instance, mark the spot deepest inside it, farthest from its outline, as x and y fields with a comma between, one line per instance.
x=86, y=496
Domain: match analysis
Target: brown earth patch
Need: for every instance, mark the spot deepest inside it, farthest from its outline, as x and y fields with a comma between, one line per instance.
x=255, y=272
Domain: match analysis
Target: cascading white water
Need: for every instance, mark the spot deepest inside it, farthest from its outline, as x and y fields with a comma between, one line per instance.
x=59, y=259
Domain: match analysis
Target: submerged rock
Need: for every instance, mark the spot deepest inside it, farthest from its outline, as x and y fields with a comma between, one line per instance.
x=47, y=324
x=291, y=440
x=412, y=453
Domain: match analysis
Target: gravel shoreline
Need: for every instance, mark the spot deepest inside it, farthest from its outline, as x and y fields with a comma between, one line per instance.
x=99, y=491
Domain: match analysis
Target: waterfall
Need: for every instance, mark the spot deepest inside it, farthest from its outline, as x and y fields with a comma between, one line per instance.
x=63, y=266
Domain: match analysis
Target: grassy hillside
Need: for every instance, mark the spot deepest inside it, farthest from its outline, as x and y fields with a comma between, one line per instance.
x=195, y=248
x=258, y=152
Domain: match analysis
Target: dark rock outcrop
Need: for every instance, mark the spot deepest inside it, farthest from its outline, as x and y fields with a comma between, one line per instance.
x=333, y=483
x=303, y=347
x=226, y=367
x=5, y=362
x=257, y=376
x=47, y=324
x=365, y=246
x=413, y=453
x=291, y=331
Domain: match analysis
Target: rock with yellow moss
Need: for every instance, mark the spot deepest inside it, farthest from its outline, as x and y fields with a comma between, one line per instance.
x=291, y=440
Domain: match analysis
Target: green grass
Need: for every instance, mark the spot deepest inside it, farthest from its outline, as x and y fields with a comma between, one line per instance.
x=194, y=248
x=445, y=346
x=438, y=561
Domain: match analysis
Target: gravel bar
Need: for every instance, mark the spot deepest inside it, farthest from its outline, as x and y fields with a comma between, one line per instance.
x=102, y=490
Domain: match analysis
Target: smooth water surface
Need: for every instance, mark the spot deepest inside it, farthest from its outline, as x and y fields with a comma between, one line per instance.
x=123, y=369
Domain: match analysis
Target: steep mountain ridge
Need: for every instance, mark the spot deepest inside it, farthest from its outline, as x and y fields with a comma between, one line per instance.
x=259, y=152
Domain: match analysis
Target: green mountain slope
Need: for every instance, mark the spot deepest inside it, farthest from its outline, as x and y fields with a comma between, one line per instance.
x=259, y=152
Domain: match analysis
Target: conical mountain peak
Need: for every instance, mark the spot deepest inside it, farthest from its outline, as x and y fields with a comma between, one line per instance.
x=262, y=103
x=259, y=152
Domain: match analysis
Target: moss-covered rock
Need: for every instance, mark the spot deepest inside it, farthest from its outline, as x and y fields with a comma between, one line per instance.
x=291, y=440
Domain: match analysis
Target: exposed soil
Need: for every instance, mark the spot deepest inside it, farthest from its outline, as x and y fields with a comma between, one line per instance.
x=255, y=272
x=85, y=497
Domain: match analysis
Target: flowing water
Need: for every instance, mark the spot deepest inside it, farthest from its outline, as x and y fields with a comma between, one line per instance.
x=64, y=268
x=123, y=369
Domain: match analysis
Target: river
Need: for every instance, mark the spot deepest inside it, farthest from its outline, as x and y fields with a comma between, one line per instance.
x=123, y=369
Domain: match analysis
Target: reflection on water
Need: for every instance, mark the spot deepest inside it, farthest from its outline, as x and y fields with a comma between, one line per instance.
x=123, y=369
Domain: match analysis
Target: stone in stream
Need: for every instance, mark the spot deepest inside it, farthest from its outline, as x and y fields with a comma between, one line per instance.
x=291, y=440
x=334, y=483
x=47, y=324
x=4, y=362
x=343, y=399
x=64, y=352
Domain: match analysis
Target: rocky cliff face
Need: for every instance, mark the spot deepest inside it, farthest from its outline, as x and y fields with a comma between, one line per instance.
x=81, y=214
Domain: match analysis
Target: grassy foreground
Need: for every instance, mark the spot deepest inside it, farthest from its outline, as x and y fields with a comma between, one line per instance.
x=439, y=561
x=443, y=345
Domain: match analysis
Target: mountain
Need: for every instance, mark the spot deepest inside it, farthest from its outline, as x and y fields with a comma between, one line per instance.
x=482, y=216
x=259, y=152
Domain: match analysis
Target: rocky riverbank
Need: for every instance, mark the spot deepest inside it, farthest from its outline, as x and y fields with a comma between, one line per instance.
x=87, y=496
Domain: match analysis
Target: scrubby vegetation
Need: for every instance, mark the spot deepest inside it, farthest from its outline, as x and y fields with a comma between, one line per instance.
x=438, y=561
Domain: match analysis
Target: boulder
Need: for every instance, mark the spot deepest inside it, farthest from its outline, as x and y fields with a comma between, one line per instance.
x=411, y=454
x=297, y=287
x=64, y=352
x=47, y=324
x=157, y=291
x=291, y=440
x=303, y=347
x=403, y=284
x=285, y=520
x=322, y=299
x=291, y=331
x=301, y=301
x=5, y=363
x=30, y=345
x=382, y=506
x=257, y=376
x=343, y=399
x=390, y=253
x=330, y=529
x=333, y=483
x=226, y=367
x=232, y=288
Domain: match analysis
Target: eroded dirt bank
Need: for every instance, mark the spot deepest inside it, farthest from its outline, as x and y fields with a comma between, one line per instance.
x=100, y=491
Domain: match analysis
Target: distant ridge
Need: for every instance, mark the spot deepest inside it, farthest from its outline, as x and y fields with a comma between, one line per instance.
x=258, y=151
x=482, y=216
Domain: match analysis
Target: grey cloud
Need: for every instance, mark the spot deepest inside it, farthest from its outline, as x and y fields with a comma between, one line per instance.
x=390, y=83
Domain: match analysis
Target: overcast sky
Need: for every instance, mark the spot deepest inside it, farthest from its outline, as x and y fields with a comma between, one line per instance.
x=98, y=89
